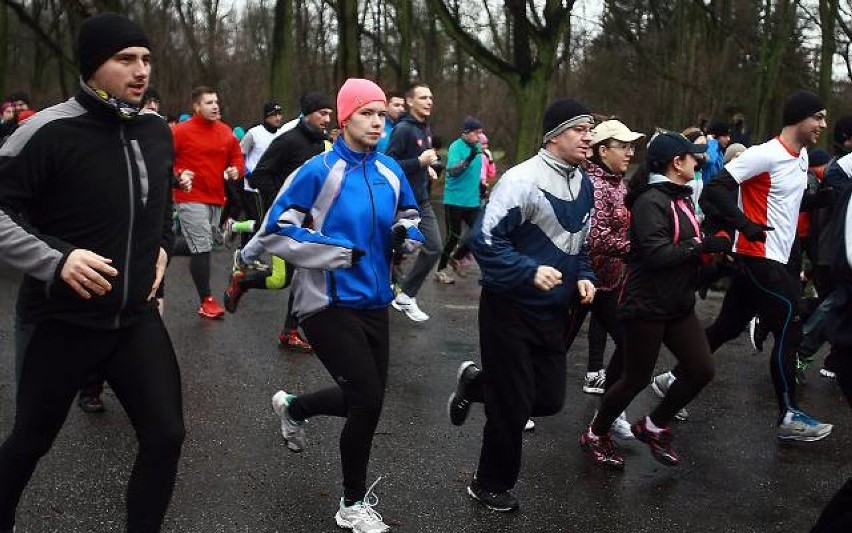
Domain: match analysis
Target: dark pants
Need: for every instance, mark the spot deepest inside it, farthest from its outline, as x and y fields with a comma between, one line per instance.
x=837, y=515
x=766, y=288
x=642, y=341
x=604, y=311
x=523, y=363
x=597, y=344
x=139, y=363
x=353, y=345
x=454, y=216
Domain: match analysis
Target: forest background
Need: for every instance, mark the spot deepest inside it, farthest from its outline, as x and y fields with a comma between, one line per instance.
x=651, y=63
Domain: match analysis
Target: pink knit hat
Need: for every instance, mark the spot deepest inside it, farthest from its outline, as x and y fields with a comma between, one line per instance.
x=356, y=93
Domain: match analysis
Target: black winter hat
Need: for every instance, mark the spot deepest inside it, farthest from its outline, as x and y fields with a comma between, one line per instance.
x=271, y=108
x=560, y=113
x=818, y=157
x=101, y=36
x=314, y=101
x=470, y=124
x=800, y=105
x=843, y=130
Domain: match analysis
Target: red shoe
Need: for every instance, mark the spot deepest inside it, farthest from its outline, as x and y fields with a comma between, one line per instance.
x=292, y=340
x=602, y=449
x=234, y=291
x=209, y=308
x=659, y=442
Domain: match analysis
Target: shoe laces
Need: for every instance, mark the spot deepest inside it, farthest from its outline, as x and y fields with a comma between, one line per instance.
x=365, y=508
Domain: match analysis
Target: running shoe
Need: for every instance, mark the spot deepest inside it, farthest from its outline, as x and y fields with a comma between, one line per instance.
x=234, y=291
x=237, y=263
x=444, y=277
x=458, y=406
x=795, y=425
x=530, y=425
x=660, y=442
x=293, y=340
x=660, y=385
x=620, y=429
x=757, y=334
x=408, y=305
x=594, y=382
x=601, y=448
x=291, y=430
x=826, y=373
x=90, y=403
x=228, y=233
x=362, y=517
x=503, y=501
x=211, y=309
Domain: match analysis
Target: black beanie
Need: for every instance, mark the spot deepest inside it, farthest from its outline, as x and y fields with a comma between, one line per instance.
x=843, y=130
x=314, y=101
x=800, y=105
x=561, y=111
x=101, y=36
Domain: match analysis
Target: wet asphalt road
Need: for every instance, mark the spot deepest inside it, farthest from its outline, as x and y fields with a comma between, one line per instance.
x=236, y=475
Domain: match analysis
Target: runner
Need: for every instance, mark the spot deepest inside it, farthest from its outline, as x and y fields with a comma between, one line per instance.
x=339, y=219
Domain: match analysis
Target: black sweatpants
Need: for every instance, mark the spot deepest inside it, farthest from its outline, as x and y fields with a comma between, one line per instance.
x=454, y=216
x=354, y=346
x=523, y=363
x=139, y=363
x=642, y=342
x=604, y=311
x=764, y=287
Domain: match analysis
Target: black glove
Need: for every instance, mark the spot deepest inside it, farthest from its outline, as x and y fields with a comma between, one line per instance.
x=713, y=244
x=357, y=254
x=399, y=235
x=471, y=156
x=755, y=232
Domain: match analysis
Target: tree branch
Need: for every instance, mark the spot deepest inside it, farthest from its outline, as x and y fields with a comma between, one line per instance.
x=27, y=20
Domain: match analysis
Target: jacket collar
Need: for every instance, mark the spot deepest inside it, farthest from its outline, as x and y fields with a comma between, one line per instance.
x=556, y=163
x=603, y=172
x=310, y=131
x=350, y=155
x=105, y=105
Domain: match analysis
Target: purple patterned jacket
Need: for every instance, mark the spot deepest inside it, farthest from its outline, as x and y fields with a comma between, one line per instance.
x=608, y=241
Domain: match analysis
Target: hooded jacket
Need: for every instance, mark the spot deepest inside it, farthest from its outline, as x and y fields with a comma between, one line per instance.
x=78, y=176
x=337, y=206
x=664, y=259
x=409, y=139
x=538, y=214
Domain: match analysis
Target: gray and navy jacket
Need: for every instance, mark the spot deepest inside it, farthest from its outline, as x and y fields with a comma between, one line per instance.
x=337, y=202
x=76, y=175
x=538, y=214
x=408, y=140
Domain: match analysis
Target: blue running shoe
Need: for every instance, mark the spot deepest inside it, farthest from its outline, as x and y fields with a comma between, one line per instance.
x=798, y=426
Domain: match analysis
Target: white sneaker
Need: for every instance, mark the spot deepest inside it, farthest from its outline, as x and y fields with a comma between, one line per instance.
x=361, y=517
x=408, y=305
x=620, y=429
x=530, y=425
x=594, y=382
x=292, y=431
x=444, y=277
x=660, y=385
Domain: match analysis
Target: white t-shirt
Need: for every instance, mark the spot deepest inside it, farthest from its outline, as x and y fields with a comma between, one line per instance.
x=772, y=182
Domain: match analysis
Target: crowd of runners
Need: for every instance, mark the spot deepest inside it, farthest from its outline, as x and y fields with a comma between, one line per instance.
x=98, y=193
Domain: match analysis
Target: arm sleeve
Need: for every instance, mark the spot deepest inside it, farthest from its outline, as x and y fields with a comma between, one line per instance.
x=838, y=175
x=263, y=177
x=22, y=246
x=287, y=232
x=235, y=159
x=719, y=202
x=652, y=238
x=397, y=150
x=408, y=216
x=247, y=143
x=606, y=237
x=491, y=237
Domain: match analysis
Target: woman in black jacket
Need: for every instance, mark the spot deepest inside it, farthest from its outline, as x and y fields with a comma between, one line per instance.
x=658, y=299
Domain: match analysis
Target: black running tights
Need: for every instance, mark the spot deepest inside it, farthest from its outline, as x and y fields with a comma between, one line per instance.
x=454, y=216
x=353, y=345
x=139, y=363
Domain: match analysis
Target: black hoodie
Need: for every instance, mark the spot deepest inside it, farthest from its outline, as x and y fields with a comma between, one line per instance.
x=76, y=175
x=664, y=258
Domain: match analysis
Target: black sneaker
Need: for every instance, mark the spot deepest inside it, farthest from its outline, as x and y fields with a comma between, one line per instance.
x=459, y=405
x=503, y=502
x=90, y=403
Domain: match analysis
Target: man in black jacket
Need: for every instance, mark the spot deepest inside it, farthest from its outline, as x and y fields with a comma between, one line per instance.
x=285, y=154
x=85, y=213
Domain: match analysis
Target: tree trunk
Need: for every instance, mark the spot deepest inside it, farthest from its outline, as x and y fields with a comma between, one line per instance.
x=281, y=69
x=349, y=40
x=828, y=10
x=404, y=27
x=4, y=47
x=773, y=48
x=530, y=100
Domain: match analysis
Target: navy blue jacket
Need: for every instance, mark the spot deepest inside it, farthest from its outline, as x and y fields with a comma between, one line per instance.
x=409, y=139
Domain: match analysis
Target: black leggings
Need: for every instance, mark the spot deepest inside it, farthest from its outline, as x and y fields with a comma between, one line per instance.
x=642, y=341
x=353, y=345
x=604, y=310
x=597, y=343
x=139, y=363
x=764, y=287
x=454, y=216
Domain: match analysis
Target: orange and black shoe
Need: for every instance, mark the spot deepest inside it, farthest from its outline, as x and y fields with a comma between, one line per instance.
x=602, y=449
x=234, y=291
x=660, y=442
x=292, y=340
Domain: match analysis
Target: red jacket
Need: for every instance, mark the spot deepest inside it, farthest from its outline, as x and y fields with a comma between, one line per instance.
x=207, y=149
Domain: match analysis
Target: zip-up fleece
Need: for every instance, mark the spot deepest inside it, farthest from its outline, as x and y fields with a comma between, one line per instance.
x=337, y=202
x=409, y=139
x=538, y=214
x=77, y=176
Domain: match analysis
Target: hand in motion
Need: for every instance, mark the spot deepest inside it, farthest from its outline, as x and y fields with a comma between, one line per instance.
x=83, y=271
x=162, y=261
x=184, y=180
x=428, y=157
x=755, y=232
x=547, y=278
x=232, y=173
x=587, y=291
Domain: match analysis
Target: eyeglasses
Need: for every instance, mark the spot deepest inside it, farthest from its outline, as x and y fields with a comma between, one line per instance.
x=627, y=147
